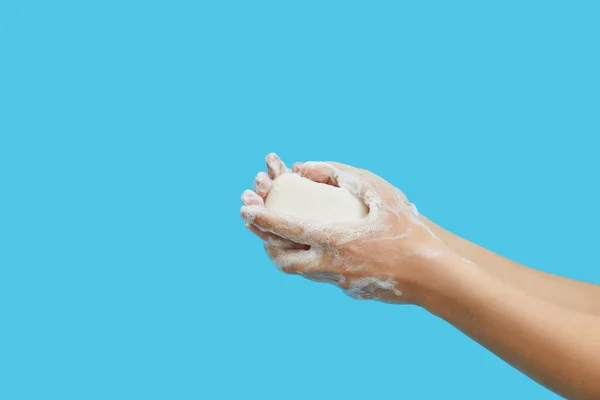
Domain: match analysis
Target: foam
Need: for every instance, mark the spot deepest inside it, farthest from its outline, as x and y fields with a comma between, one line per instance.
x=367, y=287
x=356, y=254
x=251, y=198
x=262, y=184
x=326, y=277
x=290, y=261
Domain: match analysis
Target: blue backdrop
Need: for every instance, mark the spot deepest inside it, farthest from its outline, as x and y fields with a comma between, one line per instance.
x=129, y=129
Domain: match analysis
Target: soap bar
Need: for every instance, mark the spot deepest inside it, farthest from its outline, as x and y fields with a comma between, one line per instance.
x=295, y=195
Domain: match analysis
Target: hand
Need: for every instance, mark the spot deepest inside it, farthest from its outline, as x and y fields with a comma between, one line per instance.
x=378, y=257
x=262, y=187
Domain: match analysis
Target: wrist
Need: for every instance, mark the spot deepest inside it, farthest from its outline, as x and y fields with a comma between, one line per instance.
x=443, y=280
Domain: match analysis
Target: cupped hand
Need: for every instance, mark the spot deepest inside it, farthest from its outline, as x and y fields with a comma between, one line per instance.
x=262, y=185
x=378, y=257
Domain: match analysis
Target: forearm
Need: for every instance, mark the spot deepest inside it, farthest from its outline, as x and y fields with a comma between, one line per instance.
x=558, y=347
x=565, y=292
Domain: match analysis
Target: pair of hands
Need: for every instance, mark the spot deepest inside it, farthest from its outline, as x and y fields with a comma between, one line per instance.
x=378, y=257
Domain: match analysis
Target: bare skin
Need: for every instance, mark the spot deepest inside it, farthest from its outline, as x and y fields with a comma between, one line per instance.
x=545, y=325
x=565, y=292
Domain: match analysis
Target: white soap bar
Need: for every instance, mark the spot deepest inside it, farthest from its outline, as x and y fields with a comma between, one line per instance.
x=294, y=195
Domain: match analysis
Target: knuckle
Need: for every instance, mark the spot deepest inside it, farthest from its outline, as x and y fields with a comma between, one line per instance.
x=263, y=221
x=258, y=220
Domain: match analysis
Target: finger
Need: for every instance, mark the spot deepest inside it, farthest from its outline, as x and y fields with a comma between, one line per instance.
x=308, y=165
x=262, y=185
x=337, y=174
x=297, y=230
x=316, y=171
x=358, y=186
x=250, y=198
x=275, y=240
x=294, y=261
x=275, y=166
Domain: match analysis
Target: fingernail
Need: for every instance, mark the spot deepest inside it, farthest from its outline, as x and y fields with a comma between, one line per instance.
x=247, y=213
x=262, y=181
x=261, y=177
x=246, y=195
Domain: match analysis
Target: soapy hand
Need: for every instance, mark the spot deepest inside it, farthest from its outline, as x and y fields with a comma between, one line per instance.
x=262, y=186
x=377, y=257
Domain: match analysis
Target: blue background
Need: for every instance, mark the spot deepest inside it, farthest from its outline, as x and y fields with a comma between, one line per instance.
x=128, y=131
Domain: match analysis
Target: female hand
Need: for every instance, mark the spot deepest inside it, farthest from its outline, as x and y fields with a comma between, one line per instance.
x=543, y=325
x=381, y=256
x=262, y=186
